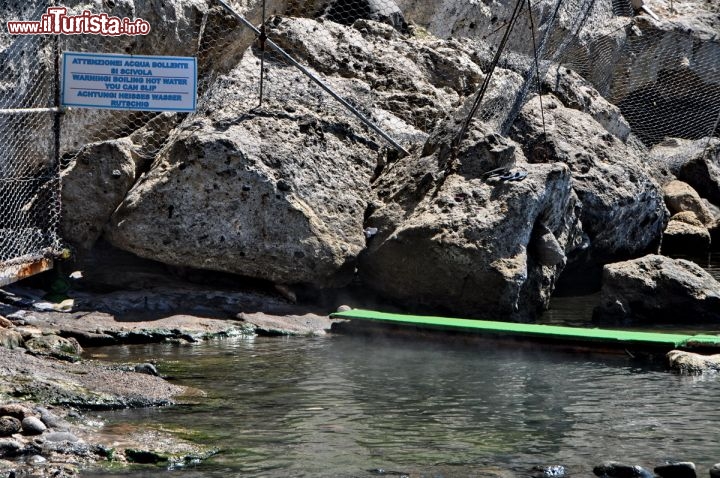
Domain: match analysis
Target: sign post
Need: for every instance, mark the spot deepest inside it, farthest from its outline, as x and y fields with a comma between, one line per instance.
x=129, y=82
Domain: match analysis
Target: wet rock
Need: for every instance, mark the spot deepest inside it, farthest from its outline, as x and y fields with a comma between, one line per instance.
x=33, y=426
x=623, y=212
x=658, y=289
x=691, y=363
x=146, y=368
x=145, y=457
x=61, y=437
x=54, y=346
x=9, y=426
x=273, y=325
x=715, y=471
x=15, y=410
x=84, y=385
x=450, y=240
x=551, y=471
x=613, y=469
x=681, y=197
x=51, y=420
x=682, y=237
x=10, y=338
x=683, y=469
x=9, y=448
x=36, y=460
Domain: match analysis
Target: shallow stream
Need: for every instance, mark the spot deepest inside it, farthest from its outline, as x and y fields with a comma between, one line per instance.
x=349, y=406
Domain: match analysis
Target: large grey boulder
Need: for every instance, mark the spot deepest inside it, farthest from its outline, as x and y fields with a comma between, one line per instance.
x=622, y=206
x=270, y=197
x=280, y=193
x=450, y=239
x=658, y=289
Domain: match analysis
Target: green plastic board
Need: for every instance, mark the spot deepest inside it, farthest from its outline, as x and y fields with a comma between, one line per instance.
x=539, y=331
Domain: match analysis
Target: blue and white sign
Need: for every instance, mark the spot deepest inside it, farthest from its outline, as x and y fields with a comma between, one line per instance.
x=129, y=82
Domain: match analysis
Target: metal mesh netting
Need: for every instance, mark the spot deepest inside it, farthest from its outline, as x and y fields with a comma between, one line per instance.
x=29, y=182
x=665, y=79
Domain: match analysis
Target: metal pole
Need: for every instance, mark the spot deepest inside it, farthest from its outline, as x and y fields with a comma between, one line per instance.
x=315, y=79
x=19, y=111
x=263, y=39
x=56, y=132
x=712, y=133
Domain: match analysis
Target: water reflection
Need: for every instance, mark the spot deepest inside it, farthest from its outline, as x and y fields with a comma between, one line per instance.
x=344, y=406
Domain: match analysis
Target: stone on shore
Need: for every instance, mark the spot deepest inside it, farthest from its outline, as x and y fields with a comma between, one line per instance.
x=613, y=469
x=33, y=426
x=61, y=436
x=692, y=363
x=683, y=469
x=9, y=426
x=658, y=289
x=715, y=471
x=54, y=346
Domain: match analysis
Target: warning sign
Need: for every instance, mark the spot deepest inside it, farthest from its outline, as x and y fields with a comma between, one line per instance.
x=129, y=82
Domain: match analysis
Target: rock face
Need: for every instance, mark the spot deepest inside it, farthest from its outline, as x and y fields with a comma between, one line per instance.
x=577, y=93
x=449, y=239
x=658, y=289
x=692, y=363
x=418, y=80
x=95, y=184
x=622, y=206
x=282, y=195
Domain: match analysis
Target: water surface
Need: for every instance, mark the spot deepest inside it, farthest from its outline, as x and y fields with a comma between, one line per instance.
x=348, y=406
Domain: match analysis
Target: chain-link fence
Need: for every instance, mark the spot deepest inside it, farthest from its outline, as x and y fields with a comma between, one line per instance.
x=29, y=176
x=255, y=60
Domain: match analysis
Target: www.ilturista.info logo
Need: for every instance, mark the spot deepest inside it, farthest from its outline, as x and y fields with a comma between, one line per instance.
x=57, y=22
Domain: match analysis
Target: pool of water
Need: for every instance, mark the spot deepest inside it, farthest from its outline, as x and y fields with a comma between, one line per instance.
x=349, y=406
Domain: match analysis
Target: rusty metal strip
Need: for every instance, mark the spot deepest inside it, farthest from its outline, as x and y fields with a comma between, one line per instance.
x=10, y=273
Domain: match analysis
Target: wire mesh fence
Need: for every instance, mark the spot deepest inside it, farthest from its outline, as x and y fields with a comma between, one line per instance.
x=29, y=182
x=665, y=80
